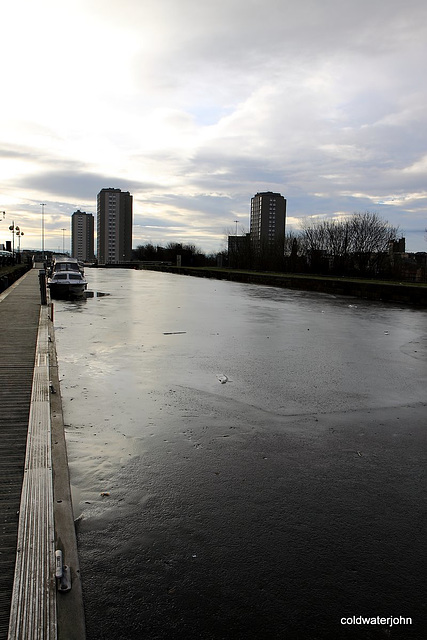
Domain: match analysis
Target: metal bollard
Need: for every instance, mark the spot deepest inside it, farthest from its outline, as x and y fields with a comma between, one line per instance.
x=42, y=283
x=62, y=573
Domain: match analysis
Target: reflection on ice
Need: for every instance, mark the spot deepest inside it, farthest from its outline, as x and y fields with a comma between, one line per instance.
x=123, y=371
x=95, y=294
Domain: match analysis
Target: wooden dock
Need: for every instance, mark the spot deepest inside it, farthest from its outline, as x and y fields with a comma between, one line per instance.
x=19, y=321
x=31, y=526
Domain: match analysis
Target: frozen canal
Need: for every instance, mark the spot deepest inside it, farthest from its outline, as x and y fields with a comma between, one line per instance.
x=261, y=453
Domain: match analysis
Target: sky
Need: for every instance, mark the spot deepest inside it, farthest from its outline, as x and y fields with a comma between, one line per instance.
x=194, y=107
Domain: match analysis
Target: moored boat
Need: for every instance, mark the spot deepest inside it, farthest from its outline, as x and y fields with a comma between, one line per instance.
x=65, y=263
x=66, y=278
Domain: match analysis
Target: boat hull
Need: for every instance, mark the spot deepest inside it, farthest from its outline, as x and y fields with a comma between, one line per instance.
x=67, y=290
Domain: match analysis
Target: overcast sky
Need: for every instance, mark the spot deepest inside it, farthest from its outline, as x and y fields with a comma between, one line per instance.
x=194, y=107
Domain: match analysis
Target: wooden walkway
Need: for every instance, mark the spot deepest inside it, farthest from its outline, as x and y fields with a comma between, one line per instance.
x=19, y=321
x=36, y=514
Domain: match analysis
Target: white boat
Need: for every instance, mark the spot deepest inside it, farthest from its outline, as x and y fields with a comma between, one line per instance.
x=67, y=284
x=65, y=263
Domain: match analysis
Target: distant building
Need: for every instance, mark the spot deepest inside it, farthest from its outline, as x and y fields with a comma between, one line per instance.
x=267, y=224
x=114, y=224
x=397, y=246
x=239, y=251
x=82, y=236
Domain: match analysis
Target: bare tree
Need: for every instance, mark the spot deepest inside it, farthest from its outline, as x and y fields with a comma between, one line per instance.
x=357, y=242
x=370, y=239
x=292, y=243
x=371, y=233
x=312, y=235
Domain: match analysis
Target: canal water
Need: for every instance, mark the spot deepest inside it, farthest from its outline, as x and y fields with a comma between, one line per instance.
x=246, y=462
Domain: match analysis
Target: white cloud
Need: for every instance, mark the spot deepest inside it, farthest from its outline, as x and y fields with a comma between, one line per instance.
x=321, y=101
x=418, y=167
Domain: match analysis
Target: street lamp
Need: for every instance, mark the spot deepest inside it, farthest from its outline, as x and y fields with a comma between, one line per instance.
x=43, y=204
x=13, y=229
x=236, y=221
x=19, y=233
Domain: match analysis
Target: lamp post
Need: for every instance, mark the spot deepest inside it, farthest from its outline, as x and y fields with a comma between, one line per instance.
x=12, y=228
x=4, y=213
x=19, y=233
x=236, y=221
x=43, y=204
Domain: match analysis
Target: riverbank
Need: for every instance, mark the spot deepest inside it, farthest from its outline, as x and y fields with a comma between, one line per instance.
x=397, y=292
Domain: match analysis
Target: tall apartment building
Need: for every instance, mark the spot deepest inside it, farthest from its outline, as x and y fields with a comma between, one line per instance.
x=82, y=236
x=267, y=224
x=114, y=223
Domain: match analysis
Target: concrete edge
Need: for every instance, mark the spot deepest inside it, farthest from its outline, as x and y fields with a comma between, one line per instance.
x=70, y=609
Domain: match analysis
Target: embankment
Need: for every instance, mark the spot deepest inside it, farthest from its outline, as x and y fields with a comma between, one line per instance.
x=402, y=293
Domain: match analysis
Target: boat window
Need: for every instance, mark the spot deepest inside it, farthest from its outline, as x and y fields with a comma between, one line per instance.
x=75, y=276
x=61, y=276
x=66, y=266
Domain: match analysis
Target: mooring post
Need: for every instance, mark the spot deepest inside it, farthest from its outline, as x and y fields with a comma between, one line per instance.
x=42, y=282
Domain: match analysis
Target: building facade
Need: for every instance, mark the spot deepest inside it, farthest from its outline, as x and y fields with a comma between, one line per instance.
x=82, y=236
x=239, y=252
x=114, y=225
x=267, y=223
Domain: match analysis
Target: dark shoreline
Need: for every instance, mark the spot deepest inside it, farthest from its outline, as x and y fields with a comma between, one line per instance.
x=402, y=293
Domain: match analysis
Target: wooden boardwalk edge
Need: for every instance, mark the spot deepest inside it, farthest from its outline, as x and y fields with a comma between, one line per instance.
x=33, y=605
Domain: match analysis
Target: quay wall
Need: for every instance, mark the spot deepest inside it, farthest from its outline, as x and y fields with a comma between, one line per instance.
x=402, y=293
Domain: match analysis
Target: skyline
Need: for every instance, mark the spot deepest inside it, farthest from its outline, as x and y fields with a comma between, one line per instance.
x=195, y=108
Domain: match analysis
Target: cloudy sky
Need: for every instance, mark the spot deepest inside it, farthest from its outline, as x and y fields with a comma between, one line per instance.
x=193, y=107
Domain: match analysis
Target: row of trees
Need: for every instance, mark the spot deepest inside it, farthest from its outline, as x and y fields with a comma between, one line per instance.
x=359, y=233
x=357, y=244
x=191, y=256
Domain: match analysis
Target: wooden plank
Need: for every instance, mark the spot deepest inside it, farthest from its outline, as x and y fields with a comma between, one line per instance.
x=33, y=605
x=19, y=318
